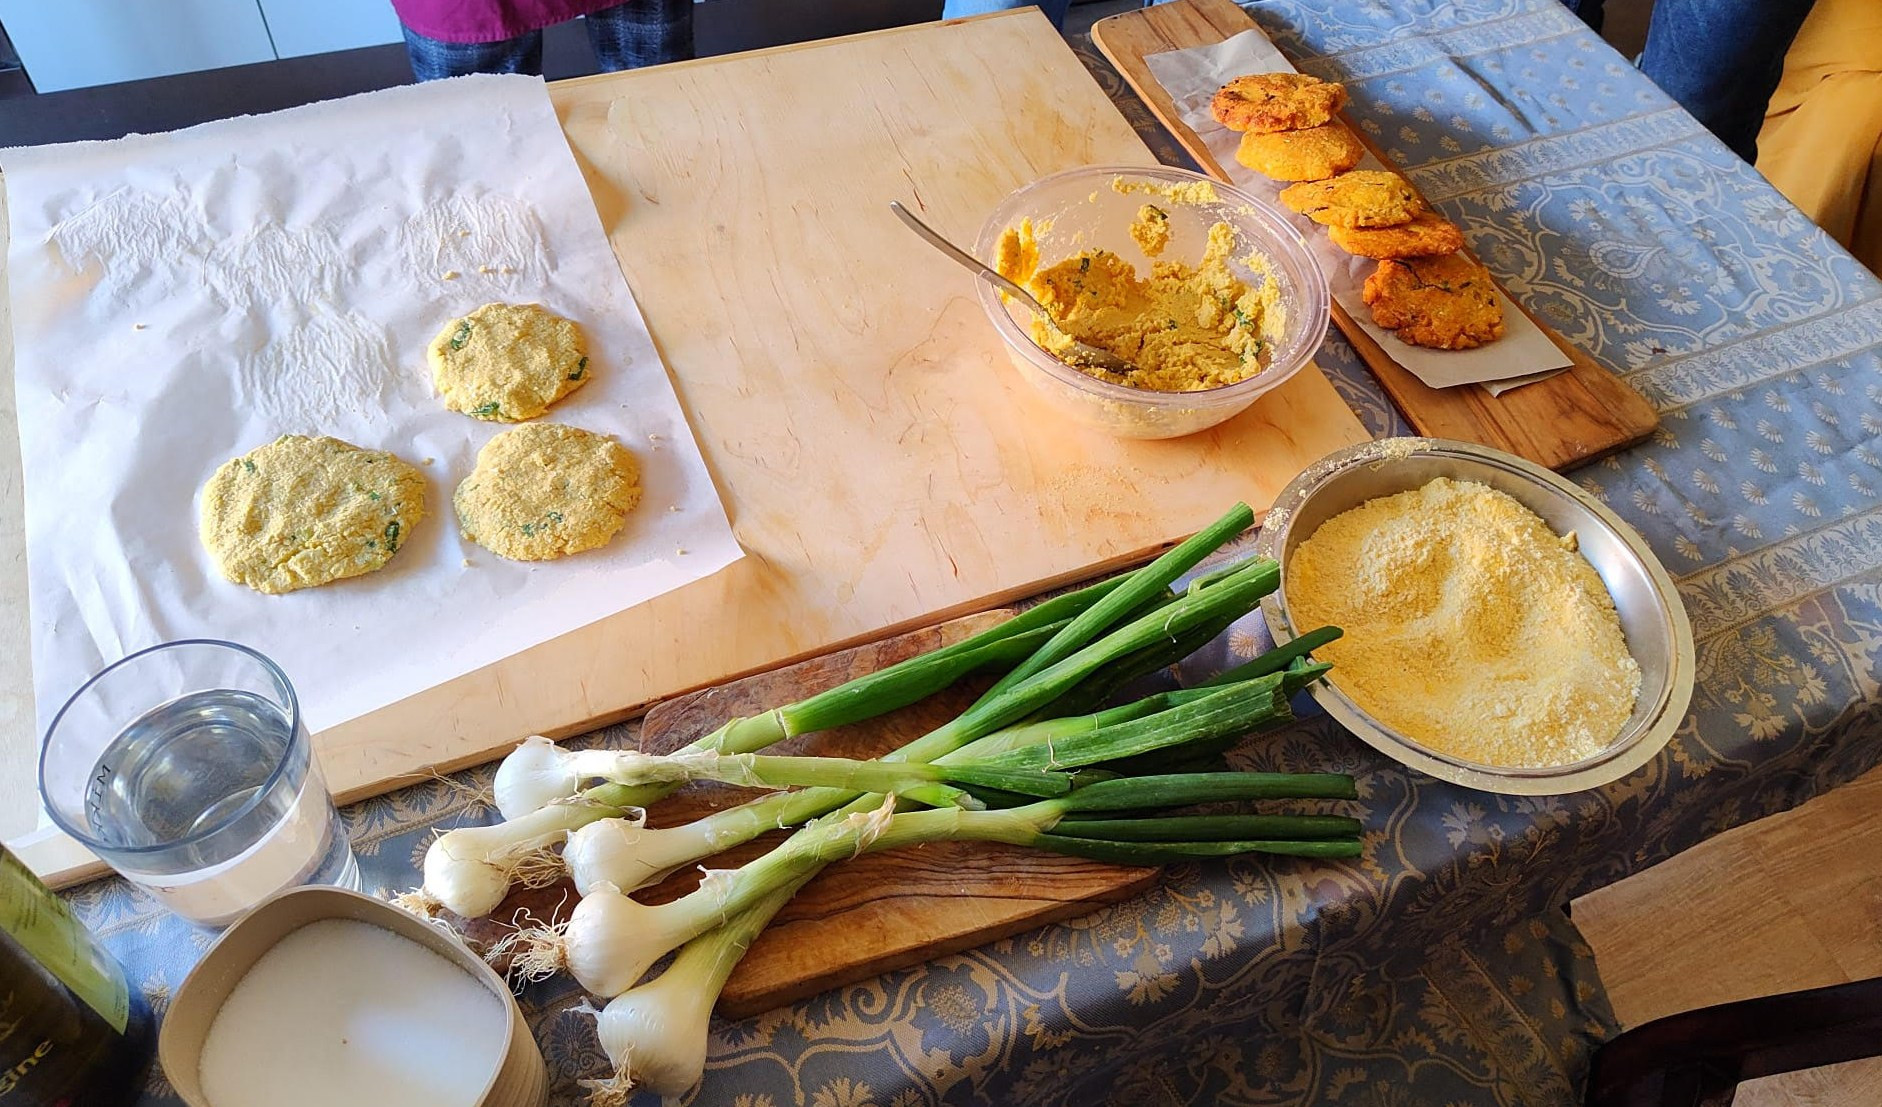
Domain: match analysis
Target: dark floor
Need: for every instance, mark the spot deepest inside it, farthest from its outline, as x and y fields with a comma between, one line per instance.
x=724, y=26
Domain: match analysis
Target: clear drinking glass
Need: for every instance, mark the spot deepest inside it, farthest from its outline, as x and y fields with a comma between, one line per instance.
x=188, y=769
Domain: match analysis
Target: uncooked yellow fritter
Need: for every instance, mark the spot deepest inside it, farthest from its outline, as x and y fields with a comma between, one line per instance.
x=545, y=491
x=1186, y=328
x=508, y=362
x=302, y=511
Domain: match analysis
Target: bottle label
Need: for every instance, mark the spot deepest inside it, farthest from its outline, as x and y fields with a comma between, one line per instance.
x=42, y=923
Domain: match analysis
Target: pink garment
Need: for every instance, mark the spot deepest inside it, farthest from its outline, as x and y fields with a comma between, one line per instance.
x=489, y=20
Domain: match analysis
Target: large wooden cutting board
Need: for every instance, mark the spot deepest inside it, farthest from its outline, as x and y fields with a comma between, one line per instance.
x=869, y=914
x=1561, y=422
x=882, y=465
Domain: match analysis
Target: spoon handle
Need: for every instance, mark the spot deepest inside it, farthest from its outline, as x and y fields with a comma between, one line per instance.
x=966, y=259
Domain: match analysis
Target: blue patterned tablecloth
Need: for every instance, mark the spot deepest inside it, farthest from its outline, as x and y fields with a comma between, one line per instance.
x=1438, y=969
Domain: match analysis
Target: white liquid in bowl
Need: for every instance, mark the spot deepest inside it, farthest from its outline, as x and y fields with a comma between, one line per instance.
x=344, y=1012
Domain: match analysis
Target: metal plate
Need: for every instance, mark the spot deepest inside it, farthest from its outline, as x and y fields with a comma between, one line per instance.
x=1653, y=618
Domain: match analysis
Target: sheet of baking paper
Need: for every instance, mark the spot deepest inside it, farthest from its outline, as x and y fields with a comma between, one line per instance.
x=181, y=299
x=1523, y=355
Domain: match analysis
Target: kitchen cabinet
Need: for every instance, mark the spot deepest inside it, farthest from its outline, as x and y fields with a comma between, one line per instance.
x=76, y=43
x=79, y=43
x=302, y=27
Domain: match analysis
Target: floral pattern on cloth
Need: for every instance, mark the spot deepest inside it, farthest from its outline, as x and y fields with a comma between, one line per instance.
x=1439, y=969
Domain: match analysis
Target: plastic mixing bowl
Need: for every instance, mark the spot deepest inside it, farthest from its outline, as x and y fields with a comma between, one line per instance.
x=1080, y=209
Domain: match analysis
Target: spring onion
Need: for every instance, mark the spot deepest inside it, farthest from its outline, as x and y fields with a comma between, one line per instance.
x=655, y=1034
x=1278, y=658
x=538, y=773
x=472, y=884
x=534, y=775
x=1039, y=731
x=1049, y=631
x=889, y=689
x=610, y=941
x=628, y=854
x=469, y=870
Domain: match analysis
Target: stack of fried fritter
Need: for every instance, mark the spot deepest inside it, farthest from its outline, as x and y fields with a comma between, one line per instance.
x=1424, y=289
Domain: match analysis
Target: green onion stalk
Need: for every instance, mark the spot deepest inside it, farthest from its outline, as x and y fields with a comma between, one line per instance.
x=638, y=855
x=471, y=869
x=866, y=697
x=1089, y=827
x=610, y=941
x=756, y=770
x=655, y=1033
x=627, y=854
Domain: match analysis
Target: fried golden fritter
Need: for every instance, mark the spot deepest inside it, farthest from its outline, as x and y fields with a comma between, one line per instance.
x=1268, y=102
x=1426, y=235
x=1446, y=303
x=1360, y=198
x=1313, y=154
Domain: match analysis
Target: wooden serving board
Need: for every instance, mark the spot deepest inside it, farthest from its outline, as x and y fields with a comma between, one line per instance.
x=882, y=464
x=873, y=913
x=1561, y=422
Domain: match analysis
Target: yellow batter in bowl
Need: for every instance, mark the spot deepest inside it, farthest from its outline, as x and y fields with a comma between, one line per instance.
x=1185, y=327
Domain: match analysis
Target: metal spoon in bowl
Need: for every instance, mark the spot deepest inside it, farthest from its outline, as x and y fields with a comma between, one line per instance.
x=1076, y=354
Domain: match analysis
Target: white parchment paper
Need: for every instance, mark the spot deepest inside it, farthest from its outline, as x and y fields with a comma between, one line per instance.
x=181, y=299
x=1523, y=355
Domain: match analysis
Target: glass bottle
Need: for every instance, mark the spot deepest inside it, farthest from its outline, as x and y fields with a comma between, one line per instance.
x=72, y=1032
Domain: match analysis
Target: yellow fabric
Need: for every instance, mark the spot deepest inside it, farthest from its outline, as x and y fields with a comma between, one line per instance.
x=1821, y=144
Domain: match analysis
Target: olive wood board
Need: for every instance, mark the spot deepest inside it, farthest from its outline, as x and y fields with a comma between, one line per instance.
x=882, y=464
x=1564, y=421
x=869, y=914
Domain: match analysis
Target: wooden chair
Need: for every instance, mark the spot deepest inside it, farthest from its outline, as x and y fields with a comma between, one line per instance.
x=1698, y=1059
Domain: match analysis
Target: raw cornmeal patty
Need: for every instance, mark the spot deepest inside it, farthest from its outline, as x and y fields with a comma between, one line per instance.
x=546, y=491
x=1313, y=154
x=1445, y=303
x=301, y=512
x=1360, y=198
x=1265, y=102
x=507, y=362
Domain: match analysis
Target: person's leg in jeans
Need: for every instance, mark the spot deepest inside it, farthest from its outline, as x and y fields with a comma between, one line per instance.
x=641, y=32
x=1722, y=60
x=1054, y=9
x=433, y=59
x=1719, y=59
x=1590, y=12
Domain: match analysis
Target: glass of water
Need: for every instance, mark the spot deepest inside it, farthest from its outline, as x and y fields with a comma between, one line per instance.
x=188, y=769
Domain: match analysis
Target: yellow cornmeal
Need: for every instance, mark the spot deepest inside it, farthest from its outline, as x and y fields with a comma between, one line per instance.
x=545, y=491
x=507, y=362
x=1471, y=627
x=1151, y=230
x=301, y=512
x=1186, y=328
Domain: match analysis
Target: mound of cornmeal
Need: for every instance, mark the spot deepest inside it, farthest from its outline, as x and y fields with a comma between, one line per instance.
x=1471, y=627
